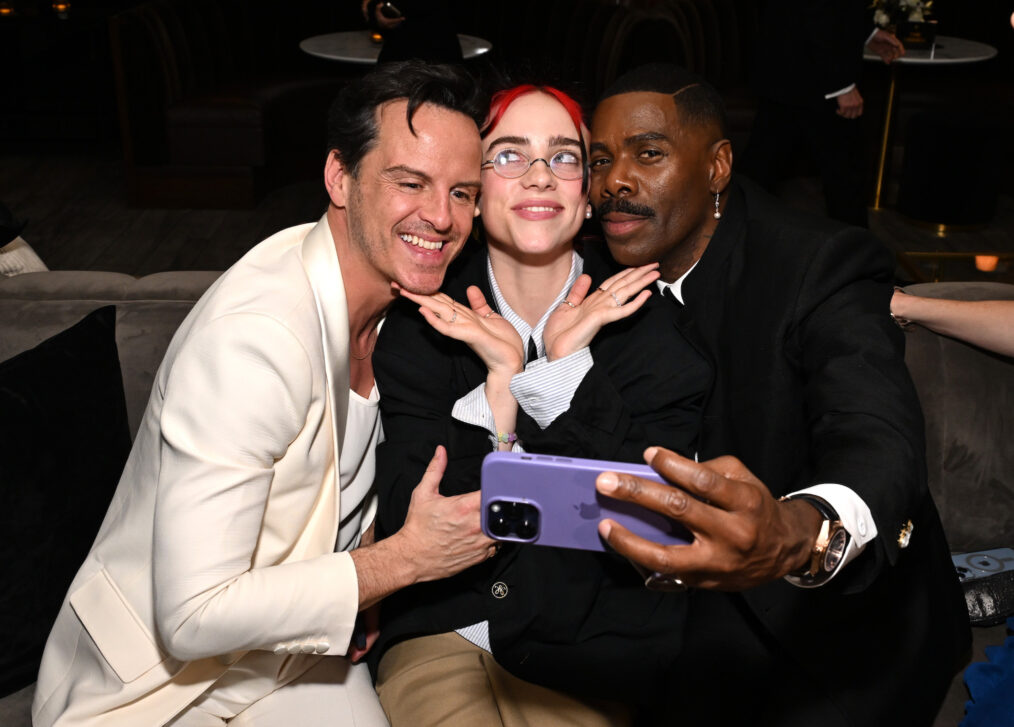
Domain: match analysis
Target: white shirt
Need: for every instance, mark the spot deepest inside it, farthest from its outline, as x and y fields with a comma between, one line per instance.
x=357, y=468
x=544, y=389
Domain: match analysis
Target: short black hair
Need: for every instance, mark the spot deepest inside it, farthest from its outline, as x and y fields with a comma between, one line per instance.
x=352, y=121
x=697, y=100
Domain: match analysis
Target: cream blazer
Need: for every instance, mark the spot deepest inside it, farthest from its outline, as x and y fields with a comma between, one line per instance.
x=220, y=535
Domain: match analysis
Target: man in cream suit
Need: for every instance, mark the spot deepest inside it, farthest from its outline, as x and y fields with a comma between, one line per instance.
x=225, y=583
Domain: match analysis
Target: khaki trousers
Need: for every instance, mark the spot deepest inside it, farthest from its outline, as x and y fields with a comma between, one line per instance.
x=331, y=693
x=446, y=681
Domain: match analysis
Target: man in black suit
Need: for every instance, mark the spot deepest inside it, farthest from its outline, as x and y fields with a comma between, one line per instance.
x=805, y=74
x=838, y=605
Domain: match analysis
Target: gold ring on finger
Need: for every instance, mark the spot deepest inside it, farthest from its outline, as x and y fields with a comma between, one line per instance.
x=569, y=303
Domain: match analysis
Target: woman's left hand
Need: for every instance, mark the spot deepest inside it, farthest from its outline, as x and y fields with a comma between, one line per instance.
x=581, y=316
x=485, y=331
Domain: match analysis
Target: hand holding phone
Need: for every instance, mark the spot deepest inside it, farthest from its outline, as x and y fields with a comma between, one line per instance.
x=546, y=500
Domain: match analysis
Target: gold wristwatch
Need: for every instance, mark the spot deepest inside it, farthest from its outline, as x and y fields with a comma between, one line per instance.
x=829, y=547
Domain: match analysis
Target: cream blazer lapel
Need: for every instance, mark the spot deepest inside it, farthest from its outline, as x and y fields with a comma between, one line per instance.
x=320, y=260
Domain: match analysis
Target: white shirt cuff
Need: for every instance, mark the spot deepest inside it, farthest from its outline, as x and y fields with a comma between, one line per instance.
x=841, y=92
x=473, y=408
x=855, y=517
x=545, y=388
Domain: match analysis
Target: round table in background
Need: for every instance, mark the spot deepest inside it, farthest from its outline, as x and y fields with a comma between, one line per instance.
x=946, y=50
x=356, y=46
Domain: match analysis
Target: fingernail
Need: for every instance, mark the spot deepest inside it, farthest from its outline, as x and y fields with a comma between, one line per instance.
x=607, y=482
x=605, y=527
x=649, y=454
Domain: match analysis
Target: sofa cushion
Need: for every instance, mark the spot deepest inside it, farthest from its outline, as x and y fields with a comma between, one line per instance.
x=34, y=306
x=63, y=443
x=967, y=396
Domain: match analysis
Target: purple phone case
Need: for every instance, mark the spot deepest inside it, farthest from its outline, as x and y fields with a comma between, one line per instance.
x=562, y=489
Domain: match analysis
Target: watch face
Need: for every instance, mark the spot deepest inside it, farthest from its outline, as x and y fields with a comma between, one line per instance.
x=835, y=549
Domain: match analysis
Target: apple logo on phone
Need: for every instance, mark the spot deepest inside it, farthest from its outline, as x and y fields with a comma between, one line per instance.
x=588, y=510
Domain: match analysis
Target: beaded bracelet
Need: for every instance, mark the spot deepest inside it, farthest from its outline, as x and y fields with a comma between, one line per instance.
x=506, y=437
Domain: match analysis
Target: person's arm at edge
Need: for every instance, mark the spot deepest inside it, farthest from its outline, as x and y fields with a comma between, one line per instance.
x=988, y=324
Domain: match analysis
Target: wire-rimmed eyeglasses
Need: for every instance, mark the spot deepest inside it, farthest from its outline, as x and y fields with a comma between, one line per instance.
x=511, y=164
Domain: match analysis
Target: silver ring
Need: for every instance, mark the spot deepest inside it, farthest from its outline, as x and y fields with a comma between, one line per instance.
x=454, y=317
x=615, y=299
x=489, y=314
x=569, y=303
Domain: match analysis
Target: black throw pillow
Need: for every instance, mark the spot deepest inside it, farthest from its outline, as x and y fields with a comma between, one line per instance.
x=64, y=439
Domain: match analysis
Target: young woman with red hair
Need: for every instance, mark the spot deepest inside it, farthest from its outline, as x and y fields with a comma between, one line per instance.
x=503, y=358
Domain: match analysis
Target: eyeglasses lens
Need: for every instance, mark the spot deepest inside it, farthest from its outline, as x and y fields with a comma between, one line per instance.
x=512, y=164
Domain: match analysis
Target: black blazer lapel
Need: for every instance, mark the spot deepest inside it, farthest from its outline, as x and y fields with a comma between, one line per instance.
x=469, y=269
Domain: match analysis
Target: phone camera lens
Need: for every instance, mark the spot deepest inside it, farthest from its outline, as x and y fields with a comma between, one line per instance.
x=497, y=521
x=528, y=528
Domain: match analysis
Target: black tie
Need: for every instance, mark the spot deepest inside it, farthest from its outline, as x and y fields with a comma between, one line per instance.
x=533, y=352
x=671, y=297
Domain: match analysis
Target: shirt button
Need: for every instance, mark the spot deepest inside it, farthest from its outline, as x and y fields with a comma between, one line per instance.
x=322, y=647
x=862, y=526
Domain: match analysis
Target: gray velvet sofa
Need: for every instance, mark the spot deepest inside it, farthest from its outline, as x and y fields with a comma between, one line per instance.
x=967, y=395
x=35, y=307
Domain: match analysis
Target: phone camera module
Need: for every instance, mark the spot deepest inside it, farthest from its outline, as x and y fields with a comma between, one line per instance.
x=512, y=520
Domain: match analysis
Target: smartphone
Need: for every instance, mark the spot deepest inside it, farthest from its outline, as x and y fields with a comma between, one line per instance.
x=389, y=11
x=547, y=500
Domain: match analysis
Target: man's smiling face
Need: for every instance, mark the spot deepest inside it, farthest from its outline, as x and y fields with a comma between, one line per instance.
x=411, y=204
x=650, y=176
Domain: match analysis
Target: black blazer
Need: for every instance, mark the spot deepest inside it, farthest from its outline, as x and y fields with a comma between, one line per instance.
x=806, y=50
x=811, y=387
x=572, y=620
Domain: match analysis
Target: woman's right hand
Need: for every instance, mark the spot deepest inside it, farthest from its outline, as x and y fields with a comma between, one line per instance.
x=581, y=316
x=486, y=332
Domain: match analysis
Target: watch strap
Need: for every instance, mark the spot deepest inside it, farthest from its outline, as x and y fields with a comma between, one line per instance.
x=815, y=574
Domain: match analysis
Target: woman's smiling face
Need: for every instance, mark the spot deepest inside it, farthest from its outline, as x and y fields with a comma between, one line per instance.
x=538, y=212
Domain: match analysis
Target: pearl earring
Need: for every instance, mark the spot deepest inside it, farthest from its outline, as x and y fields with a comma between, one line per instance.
x=718, y=215
x=588, y=212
